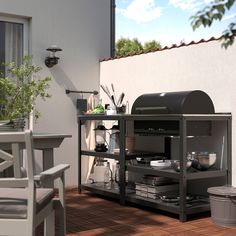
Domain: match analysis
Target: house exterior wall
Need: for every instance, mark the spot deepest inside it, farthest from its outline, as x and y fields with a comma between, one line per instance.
x=204, y=66
x=82, y=29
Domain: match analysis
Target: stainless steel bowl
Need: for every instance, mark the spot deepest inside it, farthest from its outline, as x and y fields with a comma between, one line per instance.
x=175, y=164
x=203, y=161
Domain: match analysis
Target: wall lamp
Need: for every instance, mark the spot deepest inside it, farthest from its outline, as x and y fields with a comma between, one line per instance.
x=52, y=59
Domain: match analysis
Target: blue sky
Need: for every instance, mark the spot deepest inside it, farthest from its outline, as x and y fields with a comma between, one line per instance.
x=166, y=21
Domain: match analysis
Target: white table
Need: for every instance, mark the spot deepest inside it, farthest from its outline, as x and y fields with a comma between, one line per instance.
x=45, y=142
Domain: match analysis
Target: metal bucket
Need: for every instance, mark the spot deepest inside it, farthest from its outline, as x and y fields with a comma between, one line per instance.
x=223, y=205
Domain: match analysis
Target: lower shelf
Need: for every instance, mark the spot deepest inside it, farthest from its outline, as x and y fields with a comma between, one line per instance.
x=103, y=189
x=195, y=206
x=112, y=191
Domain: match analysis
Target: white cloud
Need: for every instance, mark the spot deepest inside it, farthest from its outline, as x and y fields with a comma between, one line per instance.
x=228, y=17
x=208, y=1
x=142, y=11
x=192, y=5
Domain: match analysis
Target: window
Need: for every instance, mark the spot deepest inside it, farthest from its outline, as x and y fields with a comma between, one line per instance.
x=13, y=40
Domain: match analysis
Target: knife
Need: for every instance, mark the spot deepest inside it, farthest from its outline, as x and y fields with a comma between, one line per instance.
x=120, y=100
x=114, y=94
x=113, y=100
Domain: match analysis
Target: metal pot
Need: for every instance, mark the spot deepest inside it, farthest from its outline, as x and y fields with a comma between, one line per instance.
x=203, y=161
x=176, y=165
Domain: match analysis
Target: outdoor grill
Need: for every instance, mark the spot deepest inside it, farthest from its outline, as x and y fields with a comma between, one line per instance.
x=173, y=103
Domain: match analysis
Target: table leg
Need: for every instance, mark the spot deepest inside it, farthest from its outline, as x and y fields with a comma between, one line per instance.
x=48, y=163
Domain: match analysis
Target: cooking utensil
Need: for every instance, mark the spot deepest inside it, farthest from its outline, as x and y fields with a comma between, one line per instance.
x=113, y=100
x=107, y=92
x=176, y=165
x=204, y=160
x=120, y=100
x=222, y=153
x=169, y=199
x=175, y=199
x=160, y=164
x=114, y=94
x=156, y=180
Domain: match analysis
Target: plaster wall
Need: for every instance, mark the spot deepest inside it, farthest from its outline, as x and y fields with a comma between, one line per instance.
x=204, y=66
x=82, y=29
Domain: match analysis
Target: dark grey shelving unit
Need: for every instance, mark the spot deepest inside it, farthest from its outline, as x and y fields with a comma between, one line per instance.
x=184, y=177
x=102, y=189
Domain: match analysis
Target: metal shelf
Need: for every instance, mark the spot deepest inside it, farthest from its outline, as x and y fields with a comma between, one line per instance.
x=100, y=154
x=153, y=203
x=128, y=156
x=216, y=116
x=191, y=208
x=211, y=173
x=108, y=190
x=123, y=193
x=102, y=189
x=170, y=173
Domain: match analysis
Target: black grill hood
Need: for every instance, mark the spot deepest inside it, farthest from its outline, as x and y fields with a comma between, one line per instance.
x=184, y=102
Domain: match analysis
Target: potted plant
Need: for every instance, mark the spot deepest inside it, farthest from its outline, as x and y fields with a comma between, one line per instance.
x=19, y=90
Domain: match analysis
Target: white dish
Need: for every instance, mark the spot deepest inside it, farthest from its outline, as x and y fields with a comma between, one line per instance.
x=161, y=163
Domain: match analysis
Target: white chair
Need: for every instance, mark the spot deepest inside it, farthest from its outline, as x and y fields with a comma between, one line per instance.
x=23, y=206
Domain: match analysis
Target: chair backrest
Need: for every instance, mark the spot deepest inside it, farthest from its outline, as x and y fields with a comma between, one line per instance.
x=13, y=143
x=19, y=212
x=34, y=205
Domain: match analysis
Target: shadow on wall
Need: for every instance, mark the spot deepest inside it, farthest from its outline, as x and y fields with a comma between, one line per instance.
x=64, y=81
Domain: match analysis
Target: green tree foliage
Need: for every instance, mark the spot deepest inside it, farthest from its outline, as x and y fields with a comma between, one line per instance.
x=215, y=11
x=20, y=89
x=151, y=45
x=126, y=46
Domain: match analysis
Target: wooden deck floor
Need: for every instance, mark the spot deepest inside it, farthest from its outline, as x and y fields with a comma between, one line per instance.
x=89, y=215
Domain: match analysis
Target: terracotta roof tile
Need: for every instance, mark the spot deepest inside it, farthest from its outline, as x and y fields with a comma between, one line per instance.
x=183, y=44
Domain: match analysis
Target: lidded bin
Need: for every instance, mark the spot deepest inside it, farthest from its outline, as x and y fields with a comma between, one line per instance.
x=223, y=205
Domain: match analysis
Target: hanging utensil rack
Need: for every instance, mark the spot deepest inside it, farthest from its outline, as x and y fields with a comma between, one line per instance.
x=75, y=91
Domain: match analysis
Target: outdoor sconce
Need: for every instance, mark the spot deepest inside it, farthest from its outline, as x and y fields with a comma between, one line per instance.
x=52, y=59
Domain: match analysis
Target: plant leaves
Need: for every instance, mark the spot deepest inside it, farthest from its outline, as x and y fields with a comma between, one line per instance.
x=20, y=89
x=215, y=11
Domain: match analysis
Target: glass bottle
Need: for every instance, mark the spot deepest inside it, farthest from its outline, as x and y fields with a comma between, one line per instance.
x=107, y=173
x=117, y=172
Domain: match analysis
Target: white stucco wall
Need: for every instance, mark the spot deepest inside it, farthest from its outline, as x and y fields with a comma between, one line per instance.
x=204, y=66
x=82, y=29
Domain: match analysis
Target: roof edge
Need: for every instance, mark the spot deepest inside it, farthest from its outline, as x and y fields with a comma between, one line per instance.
x=164, y=48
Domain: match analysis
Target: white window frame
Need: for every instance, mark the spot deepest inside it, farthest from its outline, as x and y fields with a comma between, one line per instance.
x=25, y=23
x=26, y=41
